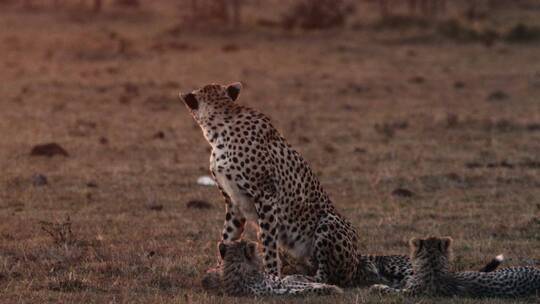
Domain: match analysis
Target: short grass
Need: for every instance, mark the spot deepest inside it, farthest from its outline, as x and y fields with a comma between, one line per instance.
x=456, y=124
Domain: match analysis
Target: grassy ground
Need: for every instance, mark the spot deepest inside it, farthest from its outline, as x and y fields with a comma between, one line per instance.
x=458, y=124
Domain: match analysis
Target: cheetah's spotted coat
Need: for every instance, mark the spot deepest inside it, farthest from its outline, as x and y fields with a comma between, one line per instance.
x=430, y=259
x=263, y=179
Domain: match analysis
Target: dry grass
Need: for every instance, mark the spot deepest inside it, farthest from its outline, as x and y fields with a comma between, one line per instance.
x=371, y=110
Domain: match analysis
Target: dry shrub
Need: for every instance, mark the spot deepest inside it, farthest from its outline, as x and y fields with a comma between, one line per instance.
x=213, y=13
x=402, y=22
x=522, y=33
x=322, y=14
x=60, y=232
x=6, y=2
x=456, y=30
x=388, y=129
x=127, y=3
x=66, y=283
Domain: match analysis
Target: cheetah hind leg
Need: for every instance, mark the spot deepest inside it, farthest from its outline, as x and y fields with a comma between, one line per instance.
x=294, y=266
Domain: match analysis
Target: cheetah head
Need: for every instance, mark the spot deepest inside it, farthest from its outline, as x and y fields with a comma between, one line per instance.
x=431, y=245
x=210, y=99
x=243, y=252
x=431, y=250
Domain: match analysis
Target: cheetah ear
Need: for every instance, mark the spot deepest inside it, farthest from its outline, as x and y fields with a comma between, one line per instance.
x=416, y=243
x=445, y=243
x=233, y=90
x=250, y=250
x=222, y=250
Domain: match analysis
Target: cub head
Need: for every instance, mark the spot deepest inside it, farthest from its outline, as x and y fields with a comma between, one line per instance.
x=431, y=247
x=210, y=99
x=244, y=252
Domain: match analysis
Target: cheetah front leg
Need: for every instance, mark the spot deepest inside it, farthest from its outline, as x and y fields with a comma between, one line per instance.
x=233, y=227
x=268, y=224
x=234, y=223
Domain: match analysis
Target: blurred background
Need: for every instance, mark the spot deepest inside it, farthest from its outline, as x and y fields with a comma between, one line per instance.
x=419, y=117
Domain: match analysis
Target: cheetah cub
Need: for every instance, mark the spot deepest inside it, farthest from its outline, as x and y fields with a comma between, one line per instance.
x=242, y=274
x=264, y=180
x=432, y=276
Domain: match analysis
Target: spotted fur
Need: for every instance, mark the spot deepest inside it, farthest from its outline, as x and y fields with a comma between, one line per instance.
x=432, y=276
x=263, y=179
x=395, y=270
x=242, y=274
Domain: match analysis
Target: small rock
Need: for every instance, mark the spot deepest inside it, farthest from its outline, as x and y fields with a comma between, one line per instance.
x=303, y=139
x=103, y=140
x=473, y=165
x=411, y=53
x=39, y=180
x=385, y=129
x=49, y=149
x=359, y=150
x=159, y=135
x=498, y=96
x=530, y=164
x=131, y=89
x=348, y=107
x=504, y=125
x=206, y=181
x=452, y=120
x=402, y=192
x=91, y=184
x=198, y=204
x=230, y=48
x=533, y=127
x=459, y=85
x=329, y=148
x=356, y=87
x=124, y=99
x=417, y=79
x=153, y=205
x=128, y=3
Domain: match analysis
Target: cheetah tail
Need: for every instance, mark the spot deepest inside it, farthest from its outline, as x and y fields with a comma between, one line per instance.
x=493, y=264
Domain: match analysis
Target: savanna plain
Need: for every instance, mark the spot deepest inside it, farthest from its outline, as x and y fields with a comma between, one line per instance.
x=411, y=133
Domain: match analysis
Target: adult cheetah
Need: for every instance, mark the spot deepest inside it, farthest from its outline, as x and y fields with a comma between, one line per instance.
x=432, y=275
x=263, y=179
x=242, y=274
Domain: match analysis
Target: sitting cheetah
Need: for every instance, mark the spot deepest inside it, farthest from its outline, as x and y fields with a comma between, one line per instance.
x=263, y=179
x=430, y=259
x=243, y=275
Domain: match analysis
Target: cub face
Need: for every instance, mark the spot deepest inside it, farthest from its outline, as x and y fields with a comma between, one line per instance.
x=243, y=252
x=431, y=246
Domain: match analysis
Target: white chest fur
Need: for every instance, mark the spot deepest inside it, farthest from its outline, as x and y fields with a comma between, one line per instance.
x=240, y=201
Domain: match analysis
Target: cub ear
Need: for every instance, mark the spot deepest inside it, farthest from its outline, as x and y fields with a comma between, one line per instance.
x=250, y=250
x=416, y=243
x=233, y=90
x=446, y=242
x=222, y=250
